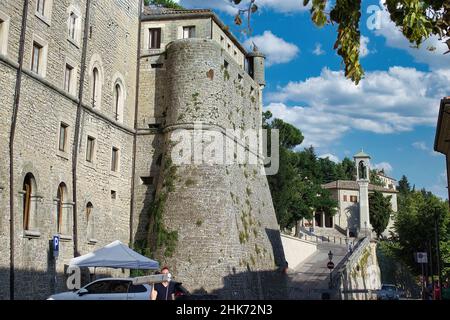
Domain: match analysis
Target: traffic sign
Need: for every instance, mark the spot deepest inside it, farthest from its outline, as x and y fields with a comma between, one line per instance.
x=330, y=265
x=55, y=246
x=421, y=257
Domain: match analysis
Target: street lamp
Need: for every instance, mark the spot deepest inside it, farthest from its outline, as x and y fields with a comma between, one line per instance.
x=330, y=256
x=311, y=226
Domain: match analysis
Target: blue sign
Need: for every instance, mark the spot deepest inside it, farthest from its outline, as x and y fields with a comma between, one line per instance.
x=55, y=244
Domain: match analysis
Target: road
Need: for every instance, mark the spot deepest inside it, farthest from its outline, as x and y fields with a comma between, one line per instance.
x=310, y=279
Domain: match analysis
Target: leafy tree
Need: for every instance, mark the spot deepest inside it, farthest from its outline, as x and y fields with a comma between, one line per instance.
x=415, y=227
x=417, y=20
x=394, y=270
x=403, y=185
x=375, y=179
x=296, y=190
x=380, y=211
x=165, y=3
x=348, y=168
x=327, y=170
x=290, y=136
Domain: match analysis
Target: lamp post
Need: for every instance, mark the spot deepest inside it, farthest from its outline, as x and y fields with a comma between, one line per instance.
x=330, y=257
x=438, y=252
x=313, y=221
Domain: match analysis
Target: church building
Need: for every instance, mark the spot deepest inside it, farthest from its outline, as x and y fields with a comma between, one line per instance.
x=352, y=216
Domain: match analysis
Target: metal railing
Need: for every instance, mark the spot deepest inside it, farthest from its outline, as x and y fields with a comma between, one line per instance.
x=349, y=259
x=329, y=239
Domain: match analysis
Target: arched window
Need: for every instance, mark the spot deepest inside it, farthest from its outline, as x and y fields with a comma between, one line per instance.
x=90, y=221
x=29, y=203
x=118, y=100
x=95, y=87
x=61, y=213
x=119, y=96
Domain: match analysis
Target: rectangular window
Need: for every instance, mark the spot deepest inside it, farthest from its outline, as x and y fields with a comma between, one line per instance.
x=90, y=149
x=154, y=38
x=72, y=25
x=157, y=65
x=115, y=159
x=188, y=32
x=63, y=137
x=353, y=199
x=345, y=197
x=68, y=77
x=2, y=35
x=113, y=194
x=36, y=57
x=147, y=181
x=41, y=7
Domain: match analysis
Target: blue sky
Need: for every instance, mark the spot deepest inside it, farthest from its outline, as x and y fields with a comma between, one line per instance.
x=391, y=114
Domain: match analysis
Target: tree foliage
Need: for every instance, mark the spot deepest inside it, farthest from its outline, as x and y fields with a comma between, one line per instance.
x=165, y=3
x=375, y=179
x=403, y=186
x=380, y=211
x=417, y=20
x=415, y=226
x=296, y=188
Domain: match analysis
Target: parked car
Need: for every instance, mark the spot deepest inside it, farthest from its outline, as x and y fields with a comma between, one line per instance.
x=107, y=289
x=388, y=292
x=123, y=289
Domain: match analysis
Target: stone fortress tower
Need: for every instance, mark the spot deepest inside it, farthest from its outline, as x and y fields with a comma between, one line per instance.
x=107, y=93
x=211, y=221
x=362, y=162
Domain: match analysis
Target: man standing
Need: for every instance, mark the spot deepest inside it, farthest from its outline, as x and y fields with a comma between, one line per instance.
x=164, y=290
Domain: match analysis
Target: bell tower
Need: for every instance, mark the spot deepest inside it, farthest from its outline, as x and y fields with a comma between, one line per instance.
x=362, y=163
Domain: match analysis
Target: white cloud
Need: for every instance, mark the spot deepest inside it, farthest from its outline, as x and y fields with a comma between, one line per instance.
x=436, y=154
x=284, y=6
x=221, y=5
x=319, y=128
x=420, y=145
x=395, y=39
x=440, y=188
x=330, y=157
x=363, y=49
x=276, y=49
x=386, y=166
x=318, y=50
x=328, y=106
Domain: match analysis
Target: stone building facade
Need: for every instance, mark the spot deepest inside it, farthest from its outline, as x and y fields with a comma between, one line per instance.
x=442, y=139
x=92, y=94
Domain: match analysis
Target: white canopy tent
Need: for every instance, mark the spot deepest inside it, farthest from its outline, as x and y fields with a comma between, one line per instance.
x=115, y=255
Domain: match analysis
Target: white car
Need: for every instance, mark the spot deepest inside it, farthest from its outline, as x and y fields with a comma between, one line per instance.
x=108, y=289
